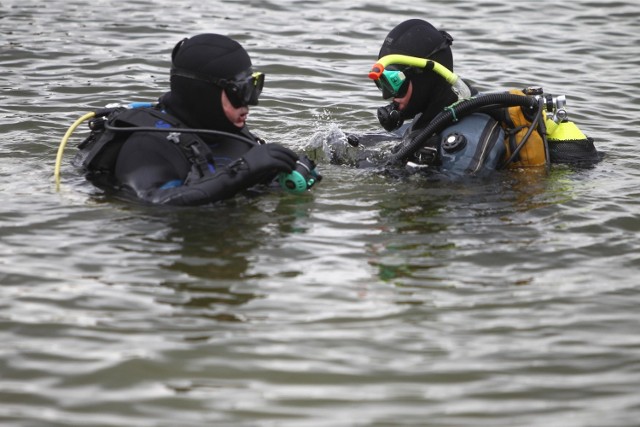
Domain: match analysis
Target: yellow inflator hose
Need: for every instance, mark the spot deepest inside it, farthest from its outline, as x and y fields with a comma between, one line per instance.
x=63, y=143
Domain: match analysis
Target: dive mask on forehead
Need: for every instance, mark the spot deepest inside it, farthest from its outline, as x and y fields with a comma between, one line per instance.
x=242, y=90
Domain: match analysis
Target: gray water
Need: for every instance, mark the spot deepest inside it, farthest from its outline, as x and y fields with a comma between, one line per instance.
x=370, y=301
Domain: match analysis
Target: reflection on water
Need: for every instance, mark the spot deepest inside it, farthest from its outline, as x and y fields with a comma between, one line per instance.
x=373, y=300
x=453, y=228
x=215, y=247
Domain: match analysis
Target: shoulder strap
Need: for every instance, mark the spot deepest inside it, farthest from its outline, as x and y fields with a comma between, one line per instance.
x=104, y=152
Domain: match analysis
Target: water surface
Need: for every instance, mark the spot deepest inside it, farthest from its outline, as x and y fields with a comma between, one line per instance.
x=370, y=301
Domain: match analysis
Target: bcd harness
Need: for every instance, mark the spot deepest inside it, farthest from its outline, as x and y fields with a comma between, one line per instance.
x=109, y=134
x=111, y=127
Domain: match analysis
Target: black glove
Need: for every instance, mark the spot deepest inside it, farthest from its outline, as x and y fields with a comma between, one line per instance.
x=260, y=164
x=266, y=158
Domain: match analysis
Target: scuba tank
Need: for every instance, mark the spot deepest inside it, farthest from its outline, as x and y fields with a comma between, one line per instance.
x=567, y=143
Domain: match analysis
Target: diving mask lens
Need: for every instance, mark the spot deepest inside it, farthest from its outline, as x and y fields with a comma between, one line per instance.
x=245, y=90
x=392, y=84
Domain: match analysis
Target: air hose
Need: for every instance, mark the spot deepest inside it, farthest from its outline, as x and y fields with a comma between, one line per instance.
x=241, y=138
x=63, y=144
x=92, y=114
x=457, y=111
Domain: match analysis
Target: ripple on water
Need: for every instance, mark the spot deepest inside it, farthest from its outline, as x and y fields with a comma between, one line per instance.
x=503, y=302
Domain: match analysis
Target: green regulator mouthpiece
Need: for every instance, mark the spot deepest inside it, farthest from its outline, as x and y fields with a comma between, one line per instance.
x=302, y=178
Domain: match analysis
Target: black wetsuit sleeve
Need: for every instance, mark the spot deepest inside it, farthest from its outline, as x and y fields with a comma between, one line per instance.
x=225, y=184
x=260, y=164
x=156, y=170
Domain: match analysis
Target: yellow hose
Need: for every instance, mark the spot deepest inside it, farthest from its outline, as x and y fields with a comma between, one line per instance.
x=63, y=143
x=414, y=61
x=459, y=87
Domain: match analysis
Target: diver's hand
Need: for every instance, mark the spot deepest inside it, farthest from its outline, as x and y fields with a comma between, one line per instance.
x=270, y=158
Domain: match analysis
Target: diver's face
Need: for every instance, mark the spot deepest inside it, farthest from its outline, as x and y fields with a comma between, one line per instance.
x=404, y=101
x=237, y=116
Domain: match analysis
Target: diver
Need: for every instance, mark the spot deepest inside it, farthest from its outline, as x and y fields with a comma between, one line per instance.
x=457, y=129
x=193, y=146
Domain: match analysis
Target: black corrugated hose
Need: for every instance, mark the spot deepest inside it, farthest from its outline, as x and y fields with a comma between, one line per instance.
x=457, y=111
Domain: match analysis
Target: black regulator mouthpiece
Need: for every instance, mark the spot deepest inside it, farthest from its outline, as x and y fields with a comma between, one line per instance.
x=302, y=178
x=390, y=117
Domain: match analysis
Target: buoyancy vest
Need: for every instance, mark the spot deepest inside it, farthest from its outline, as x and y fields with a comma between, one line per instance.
x=481, y=142
x=103, y=145
x=99, y=152
x=472, y=146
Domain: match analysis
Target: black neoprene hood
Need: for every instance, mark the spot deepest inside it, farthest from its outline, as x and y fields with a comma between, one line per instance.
x=198, y=102
x=416, y=37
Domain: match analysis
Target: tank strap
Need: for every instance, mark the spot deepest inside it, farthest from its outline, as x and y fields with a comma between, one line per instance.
x=196, y=151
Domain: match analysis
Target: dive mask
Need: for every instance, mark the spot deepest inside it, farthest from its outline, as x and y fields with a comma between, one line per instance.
x=242, y=90
x=392, y=71
x=392, y=83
